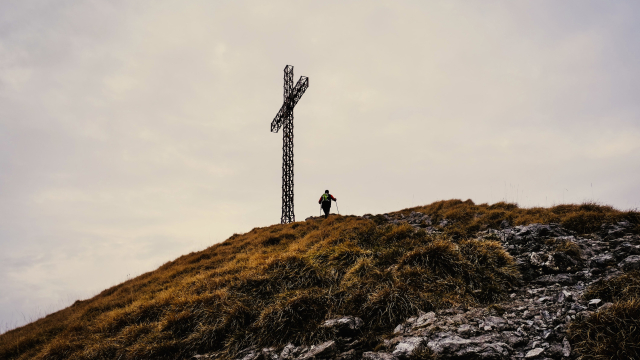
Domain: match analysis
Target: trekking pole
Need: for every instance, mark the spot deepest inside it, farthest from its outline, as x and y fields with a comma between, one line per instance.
x=337, y=208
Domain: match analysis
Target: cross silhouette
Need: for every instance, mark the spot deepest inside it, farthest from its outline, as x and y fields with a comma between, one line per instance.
x=284, y=119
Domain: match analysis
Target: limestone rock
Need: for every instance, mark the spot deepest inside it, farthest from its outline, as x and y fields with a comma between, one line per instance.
x=626, y=249
x=534, y=353
x=425, y=319
x=563, y=279
x=370, y=355
x=291, y=351
x=594, y=302
x=566, y=348
x=604, y=260
x=269, y=354
x=324, y=350
x=407, y=346
x=344, y=325
x=630, y=263
x=449, y=346
x=495, y=322
x=465, y=329
x=347, y=355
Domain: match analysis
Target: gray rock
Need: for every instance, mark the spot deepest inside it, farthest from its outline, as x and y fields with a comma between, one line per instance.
x=537, y=259
x=563, y=260
x=401, y=328
x=288, y=351
x=203, y=357
x=625, y=250
x=604, y=260
x=465, y=330
x=578, y=307
x=605, y=306
x=346, y=323
x=630, y=263
x=562, y=279
x=513, y=339
x=534, y=353
x=554, y=351
x=563, y=296
x=425, y=319
x=613, y=231
x=370, y=355
x=347, y=355
x=540, y=231
x=447, y=345
x=407, y=346
x=291, y=351
x=324, y=350
x=269, y=354
x=594, y=302
x=566, y=348
x=488, y=351
x=495, y=322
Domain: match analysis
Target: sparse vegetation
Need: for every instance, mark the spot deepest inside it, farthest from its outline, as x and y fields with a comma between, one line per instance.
x=621, y=288
x=611, y=333
x=277, y=284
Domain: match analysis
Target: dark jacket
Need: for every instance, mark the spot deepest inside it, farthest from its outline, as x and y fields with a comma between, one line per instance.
x=327, y=202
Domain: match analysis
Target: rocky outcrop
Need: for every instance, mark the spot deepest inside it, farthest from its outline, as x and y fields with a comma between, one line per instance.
x=343, y=326
x=557, y=265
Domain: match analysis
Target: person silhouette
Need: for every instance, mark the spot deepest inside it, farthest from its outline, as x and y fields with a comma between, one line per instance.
x=325, y=201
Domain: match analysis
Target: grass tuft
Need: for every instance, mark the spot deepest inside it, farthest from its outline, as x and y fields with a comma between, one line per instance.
x=612, y=332
x=621, y=288
x=609, y=334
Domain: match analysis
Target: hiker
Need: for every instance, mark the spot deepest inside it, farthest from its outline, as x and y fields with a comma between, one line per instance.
x=325, y=200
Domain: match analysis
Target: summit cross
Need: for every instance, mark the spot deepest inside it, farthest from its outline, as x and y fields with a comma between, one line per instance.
x=284, y=119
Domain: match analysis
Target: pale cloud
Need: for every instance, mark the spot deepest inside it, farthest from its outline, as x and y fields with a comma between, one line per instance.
x=134, y=132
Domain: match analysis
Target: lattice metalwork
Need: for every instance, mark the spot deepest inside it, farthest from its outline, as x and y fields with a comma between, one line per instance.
x=284, y=119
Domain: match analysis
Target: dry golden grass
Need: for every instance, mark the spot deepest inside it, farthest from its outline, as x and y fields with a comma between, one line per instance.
x=621, y=288
x=612, y=333
x=277, y=284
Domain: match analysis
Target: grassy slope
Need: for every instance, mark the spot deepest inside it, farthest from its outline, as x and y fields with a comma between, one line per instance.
x=278, y=283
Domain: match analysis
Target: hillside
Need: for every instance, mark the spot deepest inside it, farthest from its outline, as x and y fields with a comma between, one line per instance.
x=448, y=280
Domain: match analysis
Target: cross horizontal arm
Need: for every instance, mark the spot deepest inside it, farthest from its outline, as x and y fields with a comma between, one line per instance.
x=287, y=108
x=276, y=124
x=298, y=90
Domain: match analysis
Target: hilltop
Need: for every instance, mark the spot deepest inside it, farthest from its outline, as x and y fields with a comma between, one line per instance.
x=452, y=279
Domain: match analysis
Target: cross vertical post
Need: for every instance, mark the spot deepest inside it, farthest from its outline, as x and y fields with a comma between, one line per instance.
x=284, y=119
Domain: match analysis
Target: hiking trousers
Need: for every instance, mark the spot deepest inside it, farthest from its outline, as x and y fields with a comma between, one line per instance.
x=326, y=206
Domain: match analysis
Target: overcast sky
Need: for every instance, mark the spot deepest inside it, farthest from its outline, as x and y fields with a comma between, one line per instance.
x=132, y=132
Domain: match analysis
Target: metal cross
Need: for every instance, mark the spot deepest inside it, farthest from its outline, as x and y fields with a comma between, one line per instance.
x=285, y=119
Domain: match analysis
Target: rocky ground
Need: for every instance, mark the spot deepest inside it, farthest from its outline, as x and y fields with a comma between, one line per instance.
x=557, y=265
